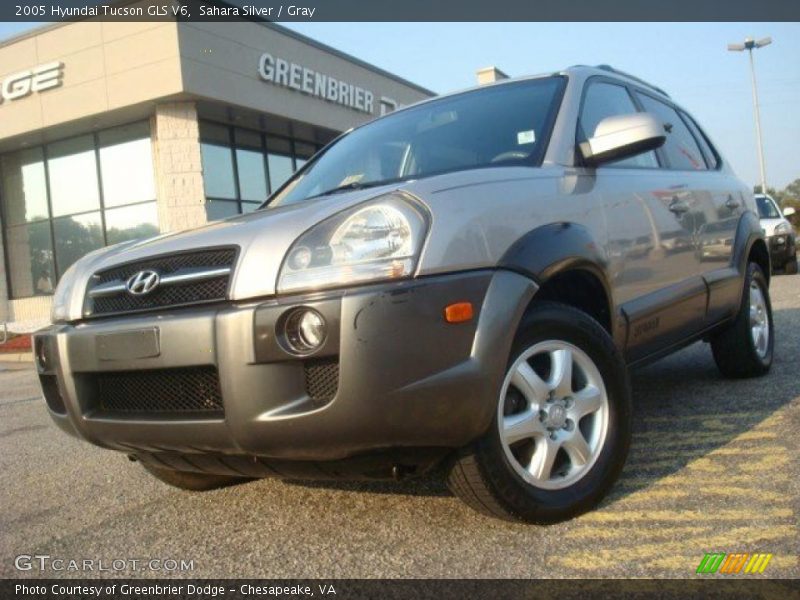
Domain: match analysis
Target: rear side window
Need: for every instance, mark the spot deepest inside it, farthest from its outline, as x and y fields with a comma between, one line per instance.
x=603, y=100
x=681, y=149
x=705, y=146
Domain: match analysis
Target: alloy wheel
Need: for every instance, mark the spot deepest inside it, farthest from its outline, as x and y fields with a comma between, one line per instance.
x=553, y=414
x=759, y=320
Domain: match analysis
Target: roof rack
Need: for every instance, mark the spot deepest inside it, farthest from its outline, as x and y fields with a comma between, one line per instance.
x=611, y=69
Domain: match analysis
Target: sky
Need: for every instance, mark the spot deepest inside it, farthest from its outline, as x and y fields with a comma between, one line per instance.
x=689, y=60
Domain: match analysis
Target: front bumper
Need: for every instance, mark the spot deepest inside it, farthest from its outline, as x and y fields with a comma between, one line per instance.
x=406, y=378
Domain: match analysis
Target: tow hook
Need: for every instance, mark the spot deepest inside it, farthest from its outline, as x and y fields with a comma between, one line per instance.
x=402, y=471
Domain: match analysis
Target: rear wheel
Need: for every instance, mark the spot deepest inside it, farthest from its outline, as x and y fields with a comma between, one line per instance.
x=744, y=348
x=196, y=482
x=561, y=430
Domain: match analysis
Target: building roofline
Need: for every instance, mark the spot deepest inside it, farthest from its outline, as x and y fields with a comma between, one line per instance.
x=23, y=35
x=264, y=22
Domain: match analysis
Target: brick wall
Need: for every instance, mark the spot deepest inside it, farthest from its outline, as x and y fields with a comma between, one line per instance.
x=30, y=312
x=178, y=166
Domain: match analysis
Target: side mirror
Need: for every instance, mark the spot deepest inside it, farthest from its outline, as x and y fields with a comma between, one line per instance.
x=788, y=211
x=623, y=136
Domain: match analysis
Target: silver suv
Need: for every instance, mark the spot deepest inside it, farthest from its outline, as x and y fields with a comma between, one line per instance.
x=779, y=233
x=465, y=281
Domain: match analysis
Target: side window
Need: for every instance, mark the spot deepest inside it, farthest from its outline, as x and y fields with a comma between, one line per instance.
x=603, y=100
x=681, y=149
x=705, y=146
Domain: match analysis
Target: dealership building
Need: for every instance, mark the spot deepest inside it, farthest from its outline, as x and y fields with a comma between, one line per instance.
x=111, y=131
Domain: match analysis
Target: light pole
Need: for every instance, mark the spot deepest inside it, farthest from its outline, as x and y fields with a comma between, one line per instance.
x=750, y=45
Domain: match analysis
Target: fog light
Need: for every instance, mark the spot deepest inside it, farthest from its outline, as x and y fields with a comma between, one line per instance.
x=312, y=329
x=305, y=330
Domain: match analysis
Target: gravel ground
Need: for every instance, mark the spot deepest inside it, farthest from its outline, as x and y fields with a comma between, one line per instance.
x=713, y=468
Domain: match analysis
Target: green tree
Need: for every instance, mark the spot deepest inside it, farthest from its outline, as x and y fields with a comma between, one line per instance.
x=791, y=194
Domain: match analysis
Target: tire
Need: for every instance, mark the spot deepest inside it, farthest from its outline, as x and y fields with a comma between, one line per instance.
x=790, y=267
x=734, y=348
x=195, y=482
x=489, y=475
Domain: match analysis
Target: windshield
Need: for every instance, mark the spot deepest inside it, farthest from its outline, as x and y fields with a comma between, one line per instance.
x=499, y=125
x=766, y=208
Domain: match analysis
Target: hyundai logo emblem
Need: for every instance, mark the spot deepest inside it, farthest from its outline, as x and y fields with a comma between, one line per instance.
x=142, y=283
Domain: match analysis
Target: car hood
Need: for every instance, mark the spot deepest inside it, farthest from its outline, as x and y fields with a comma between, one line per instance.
x=263, y=238
x=470, y=236
x=769, y=225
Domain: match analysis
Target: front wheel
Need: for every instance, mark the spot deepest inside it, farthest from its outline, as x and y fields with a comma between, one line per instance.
x=561, y=431
x=744, y=348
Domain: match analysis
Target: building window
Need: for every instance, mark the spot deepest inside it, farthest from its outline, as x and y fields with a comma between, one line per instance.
x=218, y=171
x=252, y=175
x=67, y=198
x=280, y=161
x=72, y=174
x=241, y=167
x=126, y=150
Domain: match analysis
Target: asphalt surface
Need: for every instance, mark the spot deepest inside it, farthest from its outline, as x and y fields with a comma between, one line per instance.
x=713, y=468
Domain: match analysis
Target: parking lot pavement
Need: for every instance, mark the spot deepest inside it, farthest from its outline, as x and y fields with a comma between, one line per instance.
x=713, y=468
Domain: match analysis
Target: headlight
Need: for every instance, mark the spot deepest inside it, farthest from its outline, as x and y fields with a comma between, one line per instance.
x=783, y=227
x=63, y=296
x=379, y=240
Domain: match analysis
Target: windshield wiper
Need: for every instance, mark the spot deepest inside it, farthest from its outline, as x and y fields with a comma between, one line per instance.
x=353, y=185
x=346, y=187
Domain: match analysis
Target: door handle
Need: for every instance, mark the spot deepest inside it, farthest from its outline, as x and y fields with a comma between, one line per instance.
x=678, y=206
x=731, y=203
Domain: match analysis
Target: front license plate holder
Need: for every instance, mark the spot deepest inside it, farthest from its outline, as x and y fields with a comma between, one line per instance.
x=128, y=345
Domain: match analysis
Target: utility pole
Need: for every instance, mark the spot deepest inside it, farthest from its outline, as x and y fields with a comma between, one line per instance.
x=751, y=45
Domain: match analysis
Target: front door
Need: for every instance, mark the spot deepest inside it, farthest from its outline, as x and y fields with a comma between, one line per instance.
x=651, y=212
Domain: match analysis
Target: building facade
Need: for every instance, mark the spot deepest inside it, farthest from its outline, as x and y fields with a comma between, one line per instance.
x=111, y=131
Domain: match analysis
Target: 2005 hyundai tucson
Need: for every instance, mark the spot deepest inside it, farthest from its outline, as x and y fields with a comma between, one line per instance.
x=465, y=281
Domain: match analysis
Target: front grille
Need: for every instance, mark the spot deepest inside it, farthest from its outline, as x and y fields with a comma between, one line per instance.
x=160, y=392
x=322, y=379
x=175, y=294
x=52, y=394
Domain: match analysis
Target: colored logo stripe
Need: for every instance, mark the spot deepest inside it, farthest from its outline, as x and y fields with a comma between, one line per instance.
x=710, y=563
x=734, y=563
x=758, y=563
x=731, y=564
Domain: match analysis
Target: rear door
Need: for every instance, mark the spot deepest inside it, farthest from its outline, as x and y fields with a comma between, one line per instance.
x=716, y=205
x=727, y=205
x=686, y=208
